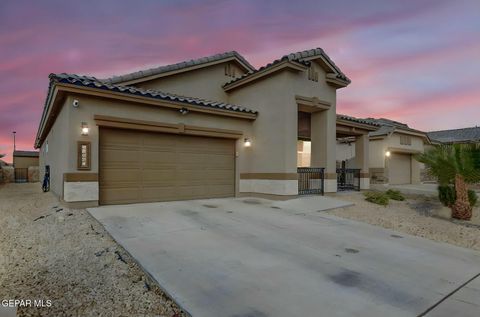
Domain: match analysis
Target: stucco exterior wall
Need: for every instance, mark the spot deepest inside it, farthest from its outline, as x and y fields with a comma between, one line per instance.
x=394, y=142
x=203, y=83
x=55, y=151
x=24, y=161
x=346, y=152
x=377, y=153
x=273, y=144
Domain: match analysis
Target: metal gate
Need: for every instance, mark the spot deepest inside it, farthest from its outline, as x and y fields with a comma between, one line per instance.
x=348, y=179
x=21, y=175
x=310, y=180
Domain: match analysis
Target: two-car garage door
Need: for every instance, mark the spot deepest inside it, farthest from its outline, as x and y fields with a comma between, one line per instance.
x=137, y=166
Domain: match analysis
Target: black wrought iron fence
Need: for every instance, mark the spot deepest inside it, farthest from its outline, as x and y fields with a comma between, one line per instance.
x=311, y=180
x=21, y=175
x=348, y=179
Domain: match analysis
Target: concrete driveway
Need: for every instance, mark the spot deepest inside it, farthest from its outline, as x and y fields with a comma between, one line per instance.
x=255, y=257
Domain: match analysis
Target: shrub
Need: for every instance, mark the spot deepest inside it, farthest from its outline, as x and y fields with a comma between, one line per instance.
x=377, y=198
x=472, y=197
x=395, y=195
x=446, y=195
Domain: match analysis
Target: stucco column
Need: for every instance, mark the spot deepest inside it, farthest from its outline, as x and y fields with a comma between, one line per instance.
x=323, y=137
x=362, y=160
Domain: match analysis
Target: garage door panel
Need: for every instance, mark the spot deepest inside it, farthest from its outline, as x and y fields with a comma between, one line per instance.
x=120, y=158
x=114, y=175
x=400, y=169
x=163, y=167
x=122, y=195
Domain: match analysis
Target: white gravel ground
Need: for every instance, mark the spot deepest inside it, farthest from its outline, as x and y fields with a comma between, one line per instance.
x=418, y=215
x=68, y=258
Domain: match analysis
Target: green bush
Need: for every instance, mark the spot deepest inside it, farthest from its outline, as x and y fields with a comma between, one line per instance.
x=472, y=197
x=446, y=195
x=395, y=195
x=377, y=198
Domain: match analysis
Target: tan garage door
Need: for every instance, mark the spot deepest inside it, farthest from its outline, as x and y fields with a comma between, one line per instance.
x=400, y=169
x=145, y=166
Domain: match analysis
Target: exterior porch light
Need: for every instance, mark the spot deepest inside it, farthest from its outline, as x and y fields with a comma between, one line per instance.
x=247, y=142
x=85, y=128
x=387, y=154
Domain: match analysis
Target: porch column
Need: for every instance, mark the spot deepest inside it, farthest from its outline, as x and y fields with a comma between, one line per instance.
x=323, y=137
x=361, y=160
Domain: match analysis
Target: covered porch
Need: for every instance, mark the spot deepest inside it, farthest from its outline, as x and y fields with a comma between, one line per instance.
x=318, y=172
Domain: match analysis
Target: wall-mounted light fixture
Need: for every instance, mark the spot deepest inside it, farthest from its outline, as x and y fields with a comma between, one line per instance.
x=387, y=154
x=85, y=128
x=75, y=103
x=183, y=111
x=247, y=142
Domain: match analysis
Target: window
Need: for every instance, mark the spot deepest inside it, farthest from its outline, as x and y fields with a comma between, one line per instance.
x=230, y=70
x=405, y=140
x=312, y=74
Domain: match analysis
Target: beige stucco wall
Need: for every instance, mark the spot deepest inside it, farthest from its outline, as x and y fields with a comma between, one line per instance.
x=377, y=153
x=24, y=161
x=58, y=153
x=346, y=152
x=203, y=83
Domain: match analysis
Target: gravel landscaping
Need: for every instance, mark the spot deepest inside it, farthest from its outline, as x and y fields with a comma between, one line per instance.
x=418, y=215
x=54, y=253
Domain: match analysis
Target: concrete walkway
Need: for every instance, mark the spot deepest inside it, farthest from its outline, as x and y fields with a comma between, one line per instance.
x=254, y=257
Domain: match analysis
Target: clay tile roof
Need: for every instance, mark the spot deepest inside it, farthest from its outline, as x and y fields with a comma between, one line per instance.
x=357, y=120
x=464, y=135
x=92, y=82
x=178, y=66
x=298, y=57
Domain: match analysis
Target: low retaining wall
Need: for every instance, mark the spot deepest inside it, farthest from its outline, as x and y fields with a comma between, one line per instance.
x=8, y=174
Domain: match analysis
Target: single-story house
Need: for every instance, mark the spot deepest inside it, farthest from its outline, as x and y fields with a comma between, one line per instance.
x=465, y=135
x=392, y=147
x=209, y=127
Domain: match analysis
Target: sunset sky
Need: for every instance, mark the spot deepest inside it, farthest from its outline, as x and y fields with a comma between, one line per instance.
x=413, y=61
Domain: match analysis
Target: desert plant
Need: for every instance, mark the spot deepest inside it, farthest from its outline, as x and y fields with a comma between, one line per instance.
x=472, y=197
x=446, y=195
x=395, y=195
x=378, y=198
x=455, y=164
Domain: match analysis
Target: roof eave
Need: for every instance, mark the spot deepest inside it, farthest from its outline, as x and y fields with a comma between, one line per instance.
x=333, y=80
x=59, y=88
x=286, y=64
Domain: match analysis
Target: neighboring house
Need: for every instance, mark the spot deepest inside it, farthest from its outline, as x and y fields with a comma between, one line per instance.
x=210, y=127
x=25, y=159
x=392, y=147
x=25, y=165
x=465, y=135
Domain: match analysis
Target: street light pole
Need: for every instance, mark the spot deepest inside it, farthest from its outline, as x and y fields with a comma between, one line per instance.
x=14, y=145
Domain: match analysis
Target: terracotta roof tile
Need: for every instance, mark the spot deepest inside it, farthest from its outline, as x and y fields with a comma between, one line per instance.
x=88, y=81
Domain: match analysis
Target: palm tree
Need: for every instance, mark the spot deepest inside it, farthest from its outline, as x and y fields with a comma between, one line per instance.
x=455, y=164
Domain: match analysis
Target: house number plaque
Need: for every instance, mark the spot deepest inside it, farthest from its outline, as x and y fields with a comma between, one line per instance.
x=84, y=156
